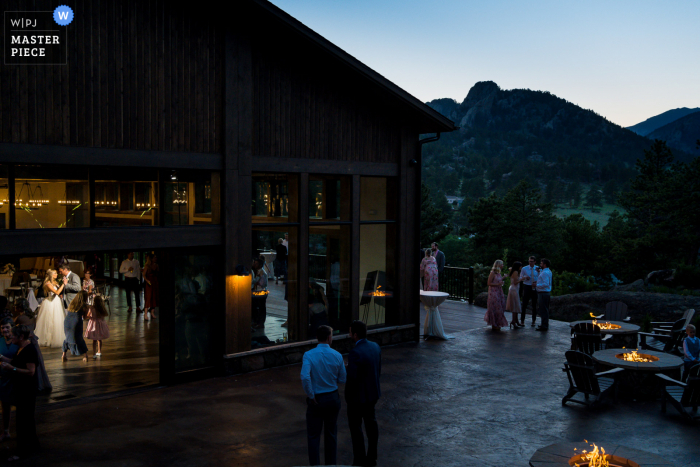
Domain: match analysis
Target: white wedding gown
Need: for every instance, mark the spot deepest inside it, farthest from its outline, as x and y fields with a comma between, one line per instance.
x=49, y=322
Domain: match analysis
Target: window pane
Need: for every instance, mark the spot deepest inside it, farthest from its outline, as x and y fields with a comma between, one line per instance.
x=192, y=197
x=329, y=198
x=377, y=198
x=377, y=272
x=275, y=198
x=274, y=315
x=329, y=278
x=4, y=199
x=194, y=313
x=51, y=197
x=126, y=197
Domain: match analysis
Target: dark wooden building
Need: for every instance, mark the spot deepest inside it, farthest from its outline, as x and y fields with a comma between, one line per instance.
x=211, y=140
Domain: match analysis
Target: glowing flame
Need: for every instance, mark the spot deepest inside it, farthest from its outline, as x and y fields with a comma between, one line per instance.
x=594, y=458
x=260, y=293
x=635, y=357
x=606, y=325
x=379, y=293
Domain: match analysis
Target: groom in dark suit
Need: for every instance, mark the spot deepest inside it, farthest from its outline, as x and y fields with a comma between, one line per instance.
x=71, y=283
x=362, y=393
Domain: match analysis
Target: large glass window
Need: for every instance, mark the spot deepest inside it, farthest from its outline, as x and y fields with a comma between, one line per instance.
x=377, y=198
x=4, y=199
x=275, y=198
x=377, y=272
x=329, y=198
x=274, y=314
x=51, y=197
x=192, y=197
x=195, y=315
x=126, y=197
x=328, y=290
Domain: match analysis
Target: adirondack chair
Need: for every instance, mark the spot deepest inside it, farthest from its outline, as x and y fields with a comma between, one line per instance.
x=664, y=327
x=662, y=342
x=580, y=369
x=615, y=311
x=683, y=396
x=586, y=338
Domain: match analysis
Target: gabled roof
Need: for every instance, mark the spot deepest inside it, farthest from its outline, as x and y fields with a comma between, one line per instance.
x=433, y=121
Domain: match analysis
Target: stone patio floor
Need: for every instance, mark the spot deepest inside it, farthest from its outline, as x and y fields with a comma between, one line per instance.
x=482, y=399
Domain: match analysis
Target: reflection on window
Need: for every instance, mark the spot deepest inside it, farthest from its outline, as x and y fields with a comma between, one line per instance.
x=274, y=314
x=51, y=198
x=127, y=198
x=328, y=290
x=377, y=198
x=274, y=198
x=194, y=313
x=329, y=198
x=377, y=272
x=192, y=197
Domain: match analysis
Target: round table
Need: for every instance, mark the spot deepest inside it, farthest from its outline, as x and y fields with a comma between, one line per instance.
x=638, y=378
x=269, y=262
x=433, y=324
x=625, y=336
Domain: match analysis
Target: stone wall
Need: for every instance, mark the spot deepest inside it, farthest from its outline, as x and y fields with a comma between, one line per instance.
x=663, y=307
x=288, y=354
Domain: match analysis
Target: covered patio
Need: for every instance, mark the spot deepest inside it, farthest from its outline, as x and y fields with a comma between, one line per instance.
x=481, y=399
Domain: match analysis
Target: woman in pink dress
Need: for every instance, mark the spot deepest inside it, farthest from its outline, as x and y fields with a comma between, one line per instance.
x=513, y=300
x=429, y=272
x=496, y=304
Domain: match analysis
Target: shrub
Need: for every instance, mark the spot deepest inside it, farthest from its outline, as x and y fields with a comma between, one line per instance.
x=671, y=290
x=686, y=276
x=566, y=283
x=646, y=323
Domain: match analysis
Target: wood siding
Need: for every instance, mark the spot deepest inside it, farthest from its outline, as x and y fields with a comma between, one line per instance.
x=140, y=75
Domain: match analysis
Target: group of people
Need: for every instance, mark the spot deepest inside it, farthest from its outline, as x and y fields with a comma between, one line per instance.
x=322, y=371
x=431, y=267
x=536, y=288
x=66, y=305
x=134, y=277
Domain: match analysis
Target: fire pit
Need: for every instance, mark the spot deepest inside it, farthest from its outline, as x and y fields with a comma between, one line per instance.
x=606, y=325
x=623, y=334
x=633, y=356
x=590, y=455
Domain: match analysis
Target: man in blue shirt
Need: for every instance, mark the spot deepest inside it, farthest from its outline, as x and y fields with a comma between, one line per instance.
x=544, y=288
x=322, y=369
x=362, y=393
x=529, y=273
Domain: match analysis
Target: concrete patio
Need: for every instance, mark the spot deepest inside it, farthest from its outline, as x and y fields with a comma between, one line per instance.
x=482, y=399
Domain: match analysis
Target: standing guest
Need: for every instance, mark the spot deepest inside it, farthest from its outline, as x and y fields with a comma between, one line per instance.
x=71, y=284
x=131, y=269
x=25, y=317
x=24, y=388
x=259, y=302
x=529, y=275
x=439, y=257
x=362, y=392
x=496, y=304
x=97, y=328
x=280, y=262
x=89, y=286
x=544, y=288
x=321, y=372
x=429, y=271
x=513, y=301
x=285, y=242
x=8, y=349
x=73, y=327
x=691, y=351
x=151, y=286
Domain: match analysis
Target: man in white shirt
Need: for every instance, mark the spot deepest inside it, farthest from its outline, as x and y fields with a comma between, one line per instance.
x=544, y=287
x=285, y=242
x=132, y=280
x=530, y=273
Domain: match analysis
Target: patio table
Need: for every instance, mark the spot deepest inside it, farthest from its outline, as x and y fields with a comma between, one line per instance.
x=433, y=324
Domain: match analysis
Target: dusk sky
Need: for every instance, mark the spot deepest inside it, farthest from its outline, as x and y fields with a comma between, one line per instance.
x=626, y=60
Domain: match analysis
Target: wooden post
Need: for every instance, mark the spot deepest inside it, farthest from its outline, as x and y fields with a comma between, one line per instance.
x=355, y=249
x=11, y=196
x=303, y=262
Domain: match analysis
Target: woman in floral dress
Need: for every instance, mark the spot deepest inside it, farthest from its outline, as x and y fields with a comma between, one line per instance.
x=429, y=271
x=496, y=304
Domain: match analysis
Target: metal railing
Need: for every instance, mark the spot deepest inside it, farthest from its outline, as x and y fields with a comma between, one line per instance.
x=458, y=282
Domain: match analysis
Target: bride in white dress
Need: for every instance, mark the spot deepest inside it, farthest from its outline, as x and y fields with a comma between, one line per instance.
x=51, y=314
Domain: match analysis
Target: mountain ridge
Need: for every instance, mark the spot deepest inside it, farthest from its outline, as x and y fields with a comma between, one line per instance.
x=654, y=123
x=681, y=134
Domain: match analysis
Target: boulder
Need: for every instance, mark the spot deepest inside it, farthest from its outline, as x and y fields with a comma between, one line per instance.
x=636, y=286
x=660, y=277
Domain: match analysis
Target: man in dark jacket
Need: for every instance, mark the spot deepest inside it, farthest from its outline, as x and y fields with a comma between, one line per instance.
x=362, y=393
x=439, y=257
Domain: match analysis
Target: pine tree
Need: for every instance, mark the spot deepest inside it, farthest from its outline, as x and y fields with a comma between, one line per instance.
x=594, y=198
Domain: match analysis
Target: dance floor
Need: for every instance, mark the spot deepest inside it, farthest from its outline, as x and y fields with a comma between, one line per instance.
x=129, y=358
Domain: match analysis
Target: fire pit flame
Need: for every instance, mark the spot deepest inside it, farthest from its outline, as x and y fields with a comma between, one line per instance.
x=606, y=325
x=633, y=356
x=379, y=293
x=594, y=458
x=260, y=293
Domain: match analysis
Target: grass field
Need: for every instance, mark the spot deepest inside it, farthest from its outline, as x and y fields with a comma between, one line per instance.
x=601, y=216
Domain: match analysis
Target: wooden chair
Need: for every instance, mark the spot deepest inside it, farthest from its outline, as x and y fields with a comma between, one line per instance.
x=17, y=286
x=664, y=327
x=586, y=338
x=580, y=369
x=683, y=396
x=667, y=343
x=615, y=311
